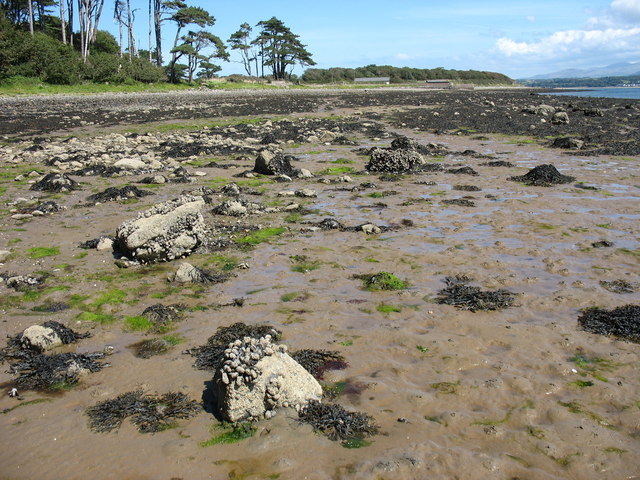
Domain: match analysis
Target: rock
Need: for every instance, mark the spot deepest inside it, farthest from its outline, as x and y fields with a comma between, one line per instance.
x=304, y=173
x=105, y=243
x=187, y=273
x=257, y=377
x=40, y=338
x=130, y=164
x=394, y=161
x=232, y=190
x=165, y=232
x=269, y=163
x=305, y=193
x=283, y=178
x=568, y=142
x=56, y=182
x=21, y=216
x=344, y=179
x=544, y=110
x=232, y=208
x=4, y=255
x=370, y=229
x=286, y=193
x=560, y=118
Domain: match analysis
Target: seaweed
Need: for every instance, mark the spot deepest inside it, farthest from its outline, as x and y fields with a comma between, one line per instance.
x=462, y=171
x=602, y=244
x=150, y=413
x=150, y=347
x=619, y=286
x=15, y=348
x=37, y=371
x=543, y=176
x=461, y=202
x=467, y=188
x=466, y=297
x=66, y=334
x=337, y=423
x=498, y=163
x=381, y=281
x=113, y=194
x=211, y=355
x=622, y=322
x=163, y=316
x=317, y=362
x=55, y=182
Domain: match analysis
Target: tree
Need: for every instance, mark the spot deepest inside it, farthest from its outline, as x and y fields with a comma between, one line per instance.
x=280, y=48
x=240, y=41
x=89, y=12
x=186, y=16
x=194, y=43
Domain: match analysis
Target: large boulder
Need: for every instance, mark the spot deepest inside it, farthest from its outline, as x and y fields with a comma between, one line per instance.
x=560, y=118
x=40, y=338
x=270, y=163
x=165, y=232
x=257, y=377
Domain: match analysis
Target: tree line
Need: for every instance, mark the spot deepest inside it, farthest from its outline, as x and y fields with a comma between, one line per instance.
x=38, y=39
x=402, y=75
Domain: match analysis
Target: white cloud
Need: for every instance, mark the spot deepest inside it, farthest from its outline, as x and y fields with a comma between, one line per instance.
x=531, y=18
x=627, y=11
x=403, y=56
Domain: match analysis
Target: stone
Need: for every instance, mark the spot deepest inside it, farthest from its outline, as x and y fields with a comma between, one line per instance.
x=186, y=273
x=130, y=164
x=560, y=118
x=40, y=338
x=305, y=193
x=370, y=229
x=258, y=377
x=269, y=163
x=394, y=161
x=568, y=142
x=165, y=232
x=105, y=243
x=4, y=255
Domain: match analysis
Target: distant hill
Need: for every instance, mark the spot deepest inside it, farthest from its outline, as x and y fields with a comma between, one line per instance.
x=628, y=81
x=622, y=69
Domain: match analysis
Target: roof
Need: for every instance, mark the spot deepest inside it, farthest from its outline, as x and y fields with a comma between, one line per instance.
x=372, y=79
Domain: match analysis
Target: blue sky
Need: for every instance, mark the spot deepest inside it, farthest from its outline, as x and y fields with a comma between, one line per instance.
x=519, y=39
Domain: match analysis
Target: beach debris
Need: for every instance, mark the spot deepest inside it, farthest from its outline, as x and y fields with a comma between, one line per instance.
x=113, y=194
x=466, y=297
x=56, y=182
x=257, y=377
x=543, y=176
x=337, y=423
x=620, y=286
x=37, y=371
x=188, y=273
x=622, y=322
x=13, y=392
x=210, y=356
x=317, y=362
x=165, y=232
x=150, y=413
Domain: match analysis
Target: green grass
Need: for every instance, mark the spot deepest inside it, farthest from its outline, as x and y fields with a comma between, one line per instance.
x=137, y=323
x=230, y=433
x=261, y=236
x=387, y=308
x=36, y=253
x=31, y=86
x=110, y=297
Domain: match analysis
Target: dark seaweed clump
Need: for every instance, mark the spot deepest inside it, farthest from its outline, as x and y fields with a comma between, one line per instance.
x=498, y=163
x=619, y=286
x=210, y=355
x=461, y=202
x=150, y=347
x=543, y=176
x=16, y=350
x=337, y=423
x=602, y=244
x=466, y=297
x=467, y=188
x=163, y=316
x=150, y=413
x=623, y=322
x=316, y=362
x=113, y=194
x=37, y=371
x=462, y=171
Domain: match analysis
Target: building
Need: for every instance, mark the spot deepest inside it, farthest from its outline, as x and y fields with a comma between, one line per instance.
x=439, y=83
x=385, y=80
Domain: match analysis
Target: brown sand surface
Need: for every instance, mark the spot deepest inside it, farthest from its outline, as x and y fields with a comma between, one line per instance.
x=456, y=394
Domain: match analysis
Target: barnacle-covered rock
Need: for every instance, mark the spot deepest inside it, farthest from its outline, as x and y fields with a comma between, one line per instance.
x=257, y=376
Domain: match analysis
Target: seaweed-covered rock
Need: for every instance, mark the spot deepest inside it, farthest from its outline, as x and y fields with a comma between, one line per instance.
x=620, y=286
x=56, y=182
x=466, y=170
x=210, y=356
x=337, y=423
x=461, y=202
x=165, y=232
x=40, y=338
x=498, y=163
x=257, y=377
x=394, y=161
x=543, y=176
x=567, y=142
x=22, y=283
x=53, y=372
x=622, y=322
x=269, y=163
x=382, y=281
x=113, y=194
x=466, y=297
x=42, y=208
x=162, y=316
x=150, y=413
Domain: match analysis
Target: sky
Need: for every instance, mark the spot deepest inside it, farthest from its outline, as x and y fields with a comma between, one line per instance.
x=517, y=38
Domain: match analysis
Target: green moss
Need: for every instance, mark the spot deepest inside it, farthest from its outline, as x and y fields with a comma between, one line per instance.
x=387, y=308
x=223, y=262
x=96, y=317
x=422, y=349
x=582, y=383
x=436, y=419
x=230, y=434
x=356, y=443
x=293, y=218
x=40, y=252
x=260, y=236
x=137, y=324
x=535, y=432
x=81, y=255
x=174, y=339
x=336, y=171
x=110, y=297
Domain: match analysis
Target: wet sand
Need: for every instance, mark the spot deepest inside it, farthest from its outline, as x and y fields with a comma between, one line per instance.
x=457, y=394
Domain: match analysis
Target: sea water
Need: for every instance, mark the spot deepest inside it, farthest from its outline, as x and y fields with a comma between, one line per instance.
x=608, y=92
